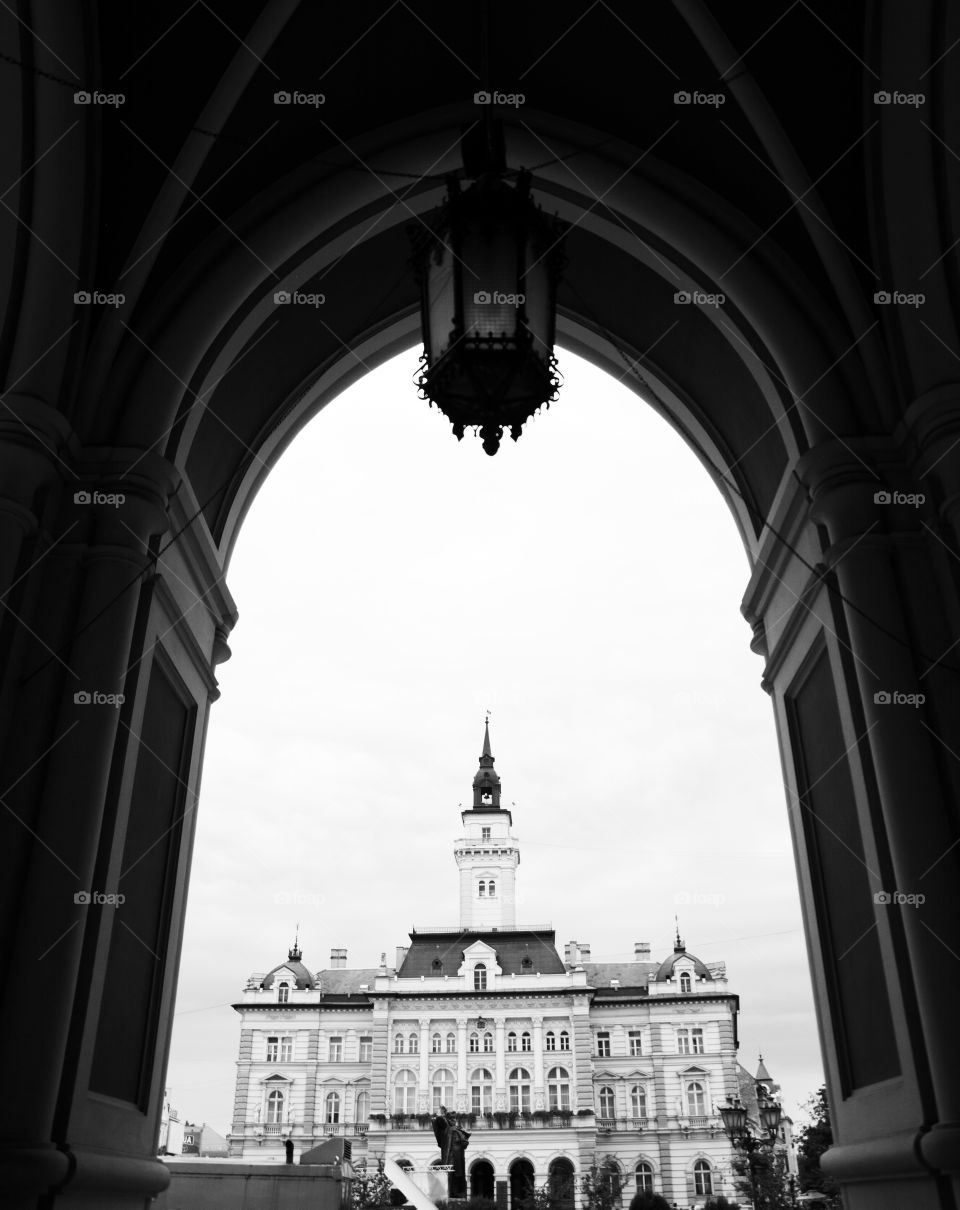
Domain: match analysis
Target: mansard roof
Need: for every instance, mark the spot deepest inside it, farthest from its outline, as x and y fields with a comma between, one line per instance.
x=632, y=975
x=512, y=947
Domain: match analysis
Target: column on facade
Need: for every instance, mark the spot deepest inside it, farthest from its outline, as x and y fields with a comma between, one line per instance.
x=538, y=1082
x=310, y=1092
x=500, y=1075
x=581, y=1039
x=380, y=1059
x=241, y=1106
x=423, y=1091
x=462, y=1095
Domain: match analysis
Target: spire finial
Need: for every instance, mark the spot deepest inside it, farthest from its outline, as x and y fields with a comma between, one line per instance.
x=294, y=954
x=486, y=736
x=677, y=944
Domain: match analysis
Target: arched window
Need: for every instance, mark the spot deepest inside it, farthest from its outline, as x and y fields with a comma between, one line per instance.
x=275, y=1106
x=696, y=1101
x=685, y=982
x=702, y=1177
x=474, y=1043
x=644, y=1177
x=638, y=1101
x=607, y=1102
x=525, y=1041
x=399, y=1042
x=443, y=1088
x=451, y=1044
x=283, y=993
x=519, y=1088
x=332, y=1107
x=488, y=1043
x=564, y=1040
x=405, y=1093
x=511, y=1041
x=436, y=1044
x=558, y=1088
x=482, y=889
x=362, y=1111
x=479, y=978
x=481, y=1091
x=414, y=1044
x=613, y=1179
x=492, y=890
x=551, y=1040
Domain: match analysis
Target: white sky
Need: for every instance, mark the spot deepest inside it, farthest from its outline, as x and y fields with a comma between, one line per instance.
x=584, y=585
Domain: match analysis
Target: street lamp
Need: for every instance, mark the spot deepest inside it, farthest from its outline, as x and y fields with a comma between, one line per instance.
x=488, y=263
x=735, y=1123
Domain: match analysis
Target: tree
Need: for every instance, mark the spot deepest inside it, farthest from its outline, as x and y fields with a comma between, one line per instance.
x=759, y=1175
x=645, y=1200
x=814, y=1139
x=370, y=1190
x=601, y=1187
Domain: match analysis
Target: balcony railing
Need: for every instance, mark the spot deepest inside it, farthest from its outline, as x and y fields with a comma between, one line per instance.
x=553, y=1121
x=341, y=1129
x=624, y=1124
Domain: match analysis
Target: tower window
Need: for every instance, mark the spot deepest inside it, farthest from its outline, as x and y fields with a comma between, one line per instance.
x=484, y=833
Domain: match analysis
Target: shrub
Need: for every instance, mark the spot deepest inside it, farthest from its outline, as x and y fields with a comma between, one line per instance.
x=646, y=1200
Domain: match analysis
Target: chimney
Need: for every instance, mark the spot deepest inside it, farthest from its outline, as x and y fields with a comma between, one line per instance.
x=584, y=951
x=641, y=951
x=402, y=951
x=571, y=953
x=338, y=959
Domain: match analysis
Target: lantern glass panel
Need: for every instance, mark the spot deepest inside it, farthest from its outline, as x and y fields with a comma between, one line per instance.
x=489, y=270
x=441, y=303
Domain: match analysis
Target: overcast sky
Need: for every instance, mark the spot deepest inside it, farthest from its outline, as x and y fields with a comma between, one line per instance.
x=584, y=586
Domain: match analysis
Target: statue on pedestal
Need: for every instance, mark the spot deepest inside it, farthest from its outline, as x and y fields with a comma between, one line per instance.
x=452, y=1140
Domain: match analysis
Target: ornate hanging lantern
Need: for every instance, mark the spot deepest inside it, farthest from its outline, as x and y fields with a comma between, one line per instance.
x=488, y=263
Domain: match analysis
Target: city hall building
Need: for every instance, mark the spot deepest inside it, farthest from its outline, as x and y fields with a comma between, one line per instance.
x=560, y=1062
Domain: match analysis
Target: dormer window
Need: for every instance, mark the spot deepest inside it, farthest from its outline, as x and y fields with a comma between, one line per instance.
x=436, y=966
x=283, y=993
x=685, y=984
x=479, y=977
x=526, y=965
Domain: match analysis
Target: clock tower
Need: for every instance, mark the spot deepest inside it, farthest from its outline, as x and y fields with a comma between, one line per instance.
x=487, y=854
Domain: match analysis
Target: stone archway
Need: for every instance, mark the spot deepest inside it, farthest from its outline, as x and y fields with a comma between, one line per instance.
x=799, y=408
x=522, y=1182
x=481, y=1179
x=561, y=1183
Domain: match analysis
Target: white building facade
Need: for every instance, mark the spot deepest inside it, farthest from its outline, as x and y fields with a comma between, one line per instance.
x=558, y=1063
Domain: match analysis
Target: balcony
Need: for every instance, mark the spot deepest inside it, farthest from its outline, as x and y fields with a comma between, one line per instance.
x=622, y=1125
x=341, y=1129
x=538, y=1120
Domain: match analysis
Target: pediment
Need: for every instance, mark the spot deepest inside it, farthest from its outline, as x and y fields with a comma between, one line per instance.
x=276, y=1076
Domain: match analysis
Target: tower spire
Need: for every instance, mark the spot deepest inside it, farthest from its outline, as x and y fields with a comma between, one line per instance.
x=486, y=783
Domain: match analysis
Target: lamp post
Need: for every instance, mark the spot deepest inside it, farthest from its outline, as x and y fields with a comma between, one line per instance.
x=735, y=1123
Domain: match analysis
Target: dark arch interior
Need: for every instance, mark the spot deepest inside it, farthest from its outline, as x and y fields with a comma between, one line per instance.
x=481, y=1179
